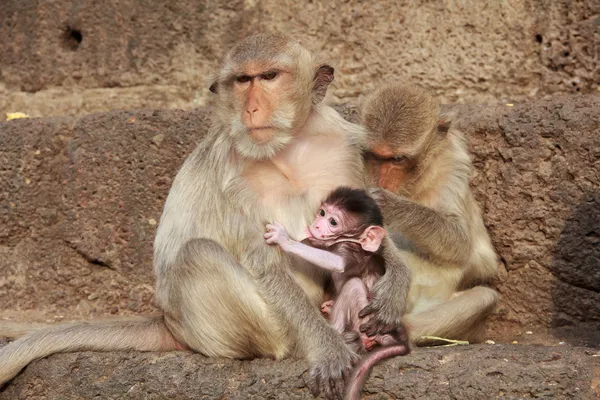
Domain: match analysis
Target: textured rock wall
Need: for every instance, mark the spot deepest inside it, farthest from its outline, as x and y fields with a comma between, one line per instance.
x=81, y=56
x=81, y=198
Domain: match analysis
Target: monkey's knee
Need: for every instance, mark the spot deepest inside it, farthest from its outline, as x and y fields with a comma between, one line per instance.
x=488, y=298
x=212, y=305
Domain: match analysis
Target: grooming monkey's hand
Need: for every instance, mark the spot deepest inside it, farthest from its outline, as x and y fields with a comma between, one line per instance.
x=330, y=371
x=276, y=234
x=385, y=309
x=383, y=197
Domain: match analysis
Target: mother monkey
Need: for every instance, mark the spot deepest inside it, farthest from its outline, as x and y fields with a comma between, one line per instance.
x=272, y=153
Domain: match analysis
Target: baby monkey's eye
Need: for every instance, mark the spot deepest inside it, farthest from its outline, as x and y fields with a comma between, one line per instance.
x=269, y=75
x=333, y=222
x=322, y=212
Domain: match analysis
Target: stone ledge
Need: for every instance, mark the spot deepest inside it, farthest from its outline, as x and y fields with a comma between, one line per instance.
x=466, y=372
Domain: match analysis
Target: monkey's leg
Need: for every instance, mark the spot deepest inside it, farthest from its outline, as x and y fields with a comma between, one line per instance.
x=143, y=334
x=212, y=305
x=344, y=314
x=461, y=317
x=347, y=305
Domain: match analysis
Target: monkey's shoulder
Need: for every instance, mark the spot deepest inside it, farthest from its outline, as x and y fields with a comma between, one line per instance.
x=358, y=262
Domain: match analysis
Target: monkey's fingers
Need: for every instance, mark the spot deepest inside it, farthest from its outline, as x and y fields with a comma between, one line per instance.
x=370, y=328
x=313, y=383
x=369, y=309
x=400, y=334
x=334, y=388
x=277, y=224
x=270, y=227
x=338, y=388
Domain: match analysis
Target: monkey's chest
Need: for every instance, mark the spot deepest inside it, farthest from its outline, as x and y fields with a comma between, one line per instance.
x=310, y=170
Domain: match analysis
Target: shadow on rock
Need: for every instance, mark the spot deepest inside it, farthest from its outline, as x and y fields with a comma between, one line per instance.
x=576, y=265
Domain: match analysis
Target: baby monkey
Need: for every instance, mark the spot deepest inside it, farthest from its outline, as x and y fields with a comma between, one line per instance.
x=346, y=238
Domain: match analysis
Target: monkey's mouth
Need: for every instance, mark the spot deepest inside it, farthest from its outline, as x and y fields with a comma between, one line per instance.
x=263, y=134
x=315, y=235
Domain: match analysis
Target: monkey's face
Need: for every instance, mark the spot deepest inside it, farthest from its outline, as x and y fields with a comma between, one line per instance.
x=261, y=118
x=265, y=90
x=388, y=169
x=329, y=223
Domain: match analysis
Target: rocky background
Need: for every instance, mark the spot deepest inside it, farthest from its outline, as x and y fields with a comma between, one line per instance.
x=81, y=194
x=82, y=197
x=73, y=57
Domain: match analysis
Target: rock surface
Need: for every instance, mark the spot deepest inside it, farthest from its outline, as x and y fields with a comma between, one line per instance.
x=471, y=372
x=84, y=195
x=81, y=198
x=87, y=55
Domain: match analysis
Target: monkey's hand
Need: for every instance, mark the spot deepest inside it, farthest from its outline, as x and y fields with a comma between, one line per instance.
x=386, y=308
x=384, y=198
x=276, y=234
x=330, y=370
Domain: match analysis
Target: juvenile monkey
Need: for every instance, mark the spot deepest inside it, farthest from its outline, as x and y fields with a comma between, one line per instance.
x=345, y=239
x=273, y=152
x=421, y=164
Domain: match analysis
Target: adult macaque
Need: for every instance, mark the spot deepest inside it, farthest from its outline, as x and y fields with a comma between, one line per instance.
x=345, y=238
x=422, y=165
x=273, y=152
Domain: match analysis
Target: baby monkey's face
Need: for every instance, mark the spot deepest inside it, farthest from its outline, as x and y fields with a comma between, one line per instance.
x=330, y=222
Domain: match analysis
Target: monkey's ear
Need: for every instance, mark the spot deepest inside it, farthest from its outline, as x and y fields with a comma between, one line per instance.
x=444, y=122
x=214, y=88
x=323, y=77
x=372, y=238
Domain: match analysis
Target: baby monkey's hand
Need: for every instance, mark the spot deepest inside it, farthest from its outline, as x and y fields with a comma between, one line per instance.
x=276, y=234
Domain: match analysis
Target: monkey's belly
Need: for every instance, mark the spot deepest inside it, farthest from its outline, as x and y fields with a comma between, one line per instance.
x=431, y=283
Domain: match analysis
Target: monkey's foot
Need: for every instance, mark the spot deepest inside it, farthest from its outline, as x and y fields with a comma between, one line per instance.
x=327, y=306
x=450, y=342
x=369, y=343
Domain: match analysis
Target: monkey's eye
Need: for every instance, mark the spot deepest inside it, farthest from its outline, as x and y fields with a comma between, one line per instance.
x=398, y=159
x=243, y=78
x=322, y=212
x=269, y=75
x=333, y=222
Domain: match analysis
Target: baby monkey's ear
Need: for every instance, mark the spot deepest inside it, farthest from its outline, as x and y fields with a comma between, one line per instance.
x=372, y=238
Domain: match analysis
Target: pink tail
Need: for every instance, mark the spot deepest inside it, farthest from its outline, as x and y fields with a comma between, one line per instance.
x=366, y=365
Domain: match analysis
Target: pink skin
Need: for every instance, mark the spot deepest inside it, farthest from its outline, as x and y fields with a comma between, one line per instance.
x=276, y=234
x=344, y=312
x=329, y=221
x=327, y=306
x=353, y=297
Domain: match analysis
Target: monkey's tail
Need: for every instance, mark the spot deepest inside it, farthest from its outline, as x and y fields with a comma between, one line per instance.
x=142, y=334
x=364, y=368
x=13, y=330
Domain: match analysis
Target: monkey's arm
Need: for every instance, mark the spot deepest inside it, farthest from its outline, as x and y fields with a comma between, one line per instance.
x=443, y=235
x=329, y=357
x=389, y=295
x=322, y=258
